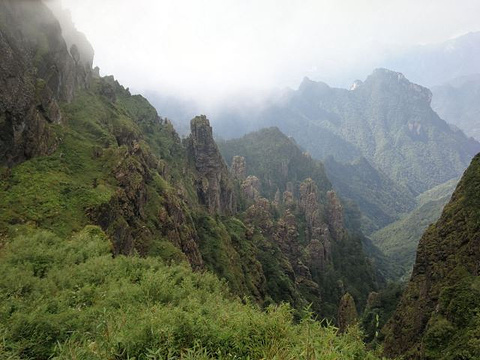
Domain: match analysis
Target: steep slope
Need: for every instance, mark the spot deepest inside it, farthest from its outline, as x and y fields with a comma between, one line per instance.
x=380, y=200
x=37, y=71
x=437, y=317
x=399, y=240
x=457, y=102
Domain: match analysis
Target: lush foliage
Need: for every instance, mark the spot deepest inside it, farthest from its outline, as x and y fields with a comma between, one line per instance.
x=399, y=240
x=70, y=299
x=380, y=199
x=438, y=315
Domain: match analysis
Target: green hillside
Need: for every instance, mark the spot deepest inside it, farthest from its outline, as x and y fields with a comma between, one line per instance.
x=437, y=317
x=399, y=240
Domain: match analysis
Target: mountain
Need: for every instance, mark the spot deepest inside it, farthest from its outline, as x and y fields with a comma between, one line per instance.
x=399, y=240
x=380, y=199
x=386, y=119
x=435, y=64
x=274, y=167
x=84, y=160
x=457, y=102
x=437, y=317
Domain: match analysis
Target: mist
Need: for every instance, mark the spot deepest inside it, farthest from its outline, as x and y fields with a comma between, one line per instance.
x=207, y=51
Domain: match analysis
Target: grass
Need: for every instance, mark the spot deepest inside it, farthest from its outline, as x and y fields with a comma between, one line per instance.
x=70, y=299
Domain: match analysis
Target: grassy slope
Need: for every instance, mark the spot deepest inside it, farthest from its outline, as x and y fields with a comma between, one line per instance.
x=69, y=298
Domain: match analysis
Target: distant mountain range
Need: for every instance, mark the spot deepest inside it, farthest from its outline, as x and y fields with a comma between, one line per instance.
x=386, y=119
x=435, y=64
x=458, y=102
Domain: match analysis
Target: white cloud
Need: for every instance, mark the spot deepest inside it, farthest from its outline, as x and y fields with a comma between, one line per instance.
x=206, y=49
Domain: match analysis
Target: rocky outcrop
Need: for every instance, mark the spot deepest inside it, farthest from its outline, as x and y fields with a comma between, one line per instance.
x=317, y=231
x=214, y=187
x=239, y=168
x=37, y=71
x=347, y=313
x=251, y=187
x=335, y=215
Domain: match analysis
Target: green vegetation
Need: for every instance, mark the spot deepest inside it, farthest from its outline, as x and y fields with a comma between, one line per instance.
x=380, y=308
x=281, y=166
x=70, y=299
x=387, y=120
x=275, y=159
x=438, y=315
x=380, y=199
x=399, y=240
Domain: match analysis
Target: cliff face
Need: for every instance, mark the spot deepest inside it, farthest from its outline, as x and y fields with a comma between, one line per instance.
x=213, y=183
x=38, y=71
x=437, y=317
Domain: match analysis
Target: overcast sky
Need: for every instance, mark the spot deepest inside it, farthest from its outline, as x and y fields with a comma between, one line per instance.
x=206, y=49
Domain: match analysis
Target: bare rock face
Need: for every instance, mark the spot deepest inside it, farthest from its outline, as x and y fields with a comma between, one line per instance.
x=37, y=71
x=214, y=187
x=347, y=312
x=239, y=168
x=251, y=187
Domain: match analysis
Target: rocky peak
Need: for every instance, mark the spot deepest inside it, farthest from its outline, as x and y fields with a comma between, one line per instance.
x=335, y=214
x=317, y=232
x=356, y=84
x=388, y=81
x=251, y=187
x=313, y=88
x=347, y=312
x=214, y=188
x=239, y=168
x=38, y=72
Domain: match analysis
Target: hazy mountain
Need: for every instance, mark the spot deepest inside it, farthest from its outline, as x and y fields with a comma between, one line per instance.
x=457, y=101
x=386, y=119
x=435, y=64
x=380, y=199
x=437, y=317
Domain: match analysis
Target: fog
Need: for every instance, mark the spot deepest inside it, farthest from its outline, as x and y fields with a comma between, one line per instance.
x=208, y=50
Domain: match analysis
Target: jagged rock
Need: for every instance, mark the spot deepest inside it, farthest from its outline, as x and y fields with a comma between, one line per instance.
x=347, y=312
x=260, y=215
x=239, y=168
x=251, y=187
x=288, y=199
x=214, y=186
x=36, y=75
x=335, y=215
x=287, y=235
